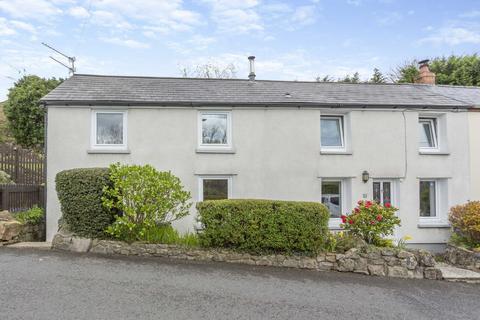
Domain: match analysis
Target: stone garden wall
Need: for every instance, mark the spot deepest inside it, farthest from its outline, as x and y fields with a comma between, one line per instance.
x=366, y=260
x=462, y=257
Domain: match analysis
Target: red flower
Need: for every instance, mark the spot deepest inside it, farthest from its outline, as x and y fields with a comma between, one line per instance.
x=388, y=205
x=350, y=221
x=360, y=202
x=372, y=222
x=379, y=217
x=344, y=218
x=357, y=210
x=368, y=204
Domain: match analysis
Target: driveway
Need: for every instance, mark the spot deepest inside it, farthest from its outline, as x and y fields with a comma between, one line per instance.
x=51, y=285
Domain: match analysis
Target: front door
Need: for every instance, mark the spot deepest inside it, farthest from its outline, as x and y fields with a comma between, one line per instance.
x=383, y=191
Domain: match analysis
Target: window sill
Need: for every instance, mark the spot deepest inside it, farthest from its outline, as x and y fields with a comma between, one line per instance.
x=108, y=151
x=434, y=153
x=426, y=225
x=212, y=150
x=336, y=152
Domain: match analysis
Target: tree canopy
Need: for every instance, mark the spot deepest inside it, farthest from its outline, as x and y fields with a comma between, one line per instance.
x=23, y=111
x=454, y=70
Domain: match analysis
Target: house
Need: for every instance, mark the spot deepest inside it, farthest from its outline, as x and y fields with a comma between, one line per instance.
x=404, y=144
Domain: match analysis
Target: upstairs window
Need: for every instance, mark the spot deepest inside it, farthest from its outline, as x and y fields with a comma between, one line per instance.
x=332, y=132
x=428, y=133
x=215, y=130
x=109, y=129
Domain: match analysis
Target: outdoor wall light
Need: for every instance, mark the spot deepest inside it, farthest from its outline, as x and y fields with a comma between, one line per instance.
x=365, y=176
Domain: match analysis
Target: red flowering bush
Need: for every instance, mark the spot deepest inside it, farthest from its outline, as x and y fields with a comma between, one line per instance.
x=371, y=221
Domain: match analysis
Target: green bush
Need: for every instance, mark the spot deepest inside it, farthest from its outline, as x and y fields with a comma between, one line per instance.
x=80, y=193
x=371, y=222
x=31, y=216
x=465, y=220
x=167, y=235
x=147, y=199
x=264, y=226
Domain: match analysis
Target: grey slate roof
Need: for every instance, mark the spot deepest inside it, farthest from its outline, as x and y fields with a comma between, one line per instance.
x=126, y=90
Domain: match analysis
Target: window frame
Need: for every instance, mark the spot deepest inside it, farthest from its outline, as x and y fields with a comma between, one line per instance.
x=93, y=135
x=433, y=122
x=341, y=121
x=211, y=146
x=436, y=215
x=393, y=190
x=214, y=177
x=345, y=189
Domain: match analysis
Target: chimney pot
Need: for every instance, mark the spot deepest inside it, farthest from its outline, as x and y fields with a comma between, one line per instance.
x=251, y=75
x=426, y=76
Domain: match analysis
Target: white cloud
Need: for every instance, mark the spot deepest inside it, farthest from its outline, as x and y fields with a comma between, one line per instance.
x=130, y=43
x=5, y=29
x=389, y=18
x=354, y=2
x=23, y=26
x=168, y=14
x=110, y=20
x=29, y=9
x=471, y=14
x=304, y=15
x=452, y=36
x=236, y=16
x=78, y=12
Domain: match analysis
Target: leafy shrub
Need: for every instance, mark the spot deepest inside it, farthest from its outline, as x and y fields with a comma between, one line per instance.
x=264, y=226
x=342, y=242
x=167, y=235
x=146, y=198
x=80, y=193
x=31, y=216
x=5, y=178
x=371, y=221
x=465, y=220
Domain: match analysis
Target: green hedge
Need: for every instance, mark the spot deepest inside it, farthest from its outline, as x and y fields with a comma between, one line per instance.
x=264, y=226
x=80, y=194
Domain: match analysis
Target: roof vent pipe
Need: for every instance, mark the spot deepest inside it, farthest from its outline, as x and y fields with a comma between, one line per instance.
x=251, y=75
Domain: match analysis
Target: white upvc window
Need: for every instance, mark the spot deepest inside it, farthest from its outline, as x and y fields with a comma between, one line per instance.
x=433, y=201
x=428, y=133
x=335, y=196
x=214, y=187
x=332, y=133
x=109, y=129
x=215, y=130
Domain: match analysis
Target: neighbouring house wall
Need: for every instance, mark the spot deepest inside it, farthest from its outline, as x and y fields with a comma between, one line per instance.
x=474, y=127
x=277, y=156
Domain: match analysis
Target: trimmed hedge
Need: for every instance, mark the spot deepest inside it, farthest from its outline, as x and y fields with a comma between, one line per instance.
x=80, y=194
x=264, y=226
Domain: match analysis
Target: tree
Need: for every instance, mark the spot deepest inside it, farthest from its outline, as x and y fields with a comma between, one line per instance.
x=354, y=79
x=377, y=77
x=454, y=70
x=327, y=78
x=210, y=70
x=23, y=111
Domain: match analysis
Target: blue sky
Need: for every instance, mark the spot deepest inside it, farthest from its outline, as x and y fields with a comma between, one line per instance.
x=292, y=40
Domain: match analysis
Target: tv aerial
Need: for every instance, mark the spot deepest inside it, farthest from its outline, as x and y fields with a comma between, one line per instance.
x=71, y=60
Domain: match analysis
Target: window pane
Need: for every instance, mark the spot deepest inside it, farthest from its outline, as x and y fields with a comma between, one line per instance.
x=332, y=198
x=215, y=189
x=387, y=193
x=331, y=132
x=109, y=128
x=214, y=128
x=427, y=134
x=427, y=199
x=376, y=192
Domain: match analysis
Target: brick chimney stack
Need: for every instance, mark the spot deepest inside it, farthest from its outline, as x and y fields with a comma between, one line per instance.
x=426, y=76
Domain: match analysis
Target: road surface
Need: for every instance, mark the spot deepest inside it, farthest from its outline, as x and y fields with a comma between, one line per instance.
x=51, y=285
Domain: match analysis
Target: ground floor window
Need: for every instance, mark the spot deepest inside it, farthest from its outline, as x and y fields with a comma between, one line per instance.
x=214, y=188
x=383, y=192
x=428, y=198
x=332, y=197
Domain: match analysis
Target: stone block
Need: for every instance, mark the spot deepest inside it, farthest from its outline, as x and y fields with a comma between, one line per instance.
x=377, y=270
x=430, y=273
x=10, y=229
x=361, y=266
x=345, y=265
x=397, y=272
